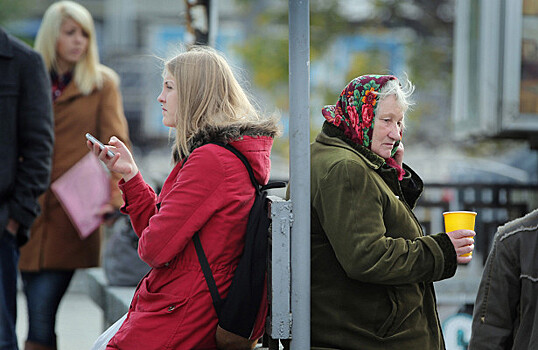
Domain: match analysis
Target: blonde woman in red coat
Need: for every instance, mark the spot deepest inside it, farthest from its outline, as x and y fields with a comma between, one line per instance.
x=210, y=194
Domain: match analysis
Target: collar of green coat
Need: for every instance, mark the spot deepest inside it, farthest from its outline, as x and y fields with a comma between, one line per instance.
x=333, y=136
x=372, y=159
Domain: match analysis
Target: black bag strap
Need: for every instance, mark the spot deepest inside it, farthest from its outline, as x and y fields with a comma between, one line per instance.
x=217, y=301
x=202, y=258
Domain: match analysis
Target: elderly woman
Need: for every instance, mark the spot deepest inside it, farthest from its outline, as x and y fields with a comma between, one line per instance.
x=372, y=265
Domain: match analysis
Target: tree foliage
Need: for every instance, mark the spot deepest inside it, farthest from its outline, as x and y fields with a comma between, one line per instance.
x=423, y=26
x=12, y=9
x=427, y=22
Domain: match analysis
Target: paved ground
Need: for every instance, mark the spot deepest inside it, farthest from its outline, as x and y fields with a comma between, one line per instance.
x=79, y=320
x=78, y=324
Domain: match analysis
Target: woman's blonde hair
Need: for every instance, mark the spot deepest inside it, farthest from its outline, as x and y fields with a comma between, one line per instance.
x=88, y=72
x=208, y=93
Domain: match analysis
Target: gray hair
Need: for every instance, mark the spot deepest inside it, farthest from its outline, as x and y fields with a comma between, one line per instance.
x=402, y=92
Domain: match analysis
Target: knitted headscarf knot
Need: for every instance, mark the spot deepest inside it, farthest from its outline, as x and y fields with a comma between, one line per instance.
x=354, y=112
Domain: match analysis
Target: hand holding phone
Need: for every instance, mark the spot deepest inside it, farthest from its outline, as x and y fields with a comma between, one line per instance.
x=121, y=162
x=93, y=140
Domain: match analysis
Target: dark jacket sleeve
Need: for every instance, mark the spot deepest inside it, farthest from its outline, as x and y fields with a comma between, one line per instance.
x=497, y=301
x=34, y=142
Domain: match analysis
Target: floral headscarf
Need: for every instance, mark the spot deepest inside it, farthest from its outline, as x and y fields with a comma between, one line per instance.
x=354, y=110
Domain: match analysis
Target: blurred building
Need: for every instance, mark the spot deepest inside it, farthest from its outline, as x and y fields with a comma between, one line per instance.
x=495, y=90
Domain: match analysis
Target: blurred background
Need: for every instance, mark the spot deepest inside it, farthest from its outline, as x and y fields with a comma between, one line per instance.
x=455, y=132
x=472, y=134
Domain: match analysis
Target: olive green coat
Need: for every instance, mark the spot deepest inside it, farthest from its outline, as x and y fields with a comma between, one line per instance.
x=54, y=242
x=372, y=266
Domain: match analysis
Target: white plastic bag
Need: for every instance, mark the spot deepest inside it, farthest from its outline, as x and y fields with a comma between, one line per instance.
x=102, y=341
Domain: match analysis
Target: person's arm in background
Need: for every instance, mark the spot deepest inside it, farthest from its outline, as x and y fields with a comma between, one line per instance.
x=112, y=122
x=35, y=139
x=497, y=301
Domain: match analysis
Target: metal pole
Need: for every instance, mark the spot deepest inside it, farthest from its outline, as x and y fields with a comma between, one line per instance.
x=299, y=95
x=213, y=14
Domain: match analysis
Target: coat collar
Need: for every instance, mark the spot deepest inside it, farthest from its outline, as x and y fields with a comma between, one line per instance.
x=229, y=133
x=71, y=91
x=332, y=135
x=6, y=49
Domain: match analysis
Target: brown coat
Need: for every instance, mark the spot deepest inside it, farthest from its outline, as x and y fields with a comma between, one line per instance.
x=54, y=242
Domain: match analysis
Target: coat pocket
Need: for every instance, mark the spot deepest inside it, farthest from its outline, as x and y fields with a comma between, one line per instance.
x=158, y=316
x=387, y=325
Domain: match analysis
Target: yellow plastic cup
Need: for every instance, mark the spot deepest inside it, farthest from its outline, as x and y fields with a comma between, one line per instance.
x=459, y=220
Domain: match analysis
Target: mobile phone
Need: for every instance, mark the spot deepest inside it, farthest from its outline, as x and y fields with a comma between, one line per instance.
x=93, y=140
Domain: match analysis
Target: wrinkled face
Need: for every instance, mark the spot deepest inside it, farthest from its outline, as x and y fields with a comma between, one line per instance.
x=388, y=126
x=168, y=100
x=72, y=43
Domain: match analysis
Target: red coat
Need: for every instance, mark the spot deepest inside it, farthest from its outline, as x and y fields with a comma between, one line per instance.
x=212, y=194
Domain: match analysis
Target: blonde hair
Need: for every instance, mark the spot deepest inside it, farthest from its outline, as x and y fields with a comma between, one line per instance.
x=88, y=72
x=208, y=93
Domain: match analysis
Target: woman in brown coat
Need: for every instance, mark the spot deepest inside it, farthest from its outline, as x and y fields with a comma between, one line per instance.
x=86, y=99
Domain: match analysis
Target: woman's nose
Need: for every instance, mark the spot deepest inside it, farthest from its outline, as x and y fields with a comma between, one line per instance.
x=395, y=132
x=79, y=37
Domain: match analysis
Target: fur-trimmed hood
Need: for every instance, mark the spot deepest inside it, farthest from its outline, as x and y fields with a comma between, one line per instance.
x=253, y=139
x=234, y=132
x=229, y=133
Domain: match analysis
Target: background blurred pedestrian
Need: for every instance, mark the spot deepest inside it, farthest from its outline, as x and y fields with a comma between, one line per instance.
x=86, y=98
x=210, y=194
x=372, y=265
x=26, y=138
x=506, y=309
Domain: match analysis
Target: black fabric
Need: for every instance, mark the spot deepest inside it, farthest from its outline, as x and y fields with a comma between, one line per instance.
x=211, y=284
x=237, y=313
x=26, y=131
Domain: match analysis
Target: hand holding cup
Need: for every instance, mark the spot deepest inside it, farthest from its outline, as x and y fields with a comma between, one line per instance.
x=459, y=226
